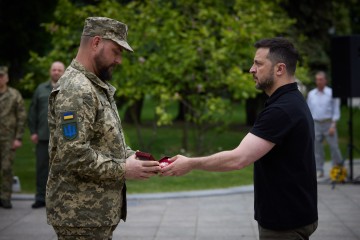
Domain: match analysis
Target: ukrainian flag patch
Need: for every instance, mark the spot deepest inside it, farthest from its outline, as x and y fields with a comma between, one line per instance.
x=69, y=125
x=68, y=115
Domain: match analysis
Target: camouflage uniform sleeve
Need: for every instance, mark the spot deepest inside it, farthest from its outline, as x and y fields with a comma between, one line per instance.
x=21, y=117
x=129, y=152
x=84, y=154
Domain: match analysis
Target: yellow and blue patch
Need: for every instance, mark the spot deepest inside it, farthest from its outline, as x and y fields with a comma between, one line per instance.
x=68, y=115
x=69, y=125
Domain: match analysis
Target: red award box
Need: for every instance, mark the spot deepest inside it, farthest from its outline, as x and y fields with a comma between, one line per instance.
x=147, y=156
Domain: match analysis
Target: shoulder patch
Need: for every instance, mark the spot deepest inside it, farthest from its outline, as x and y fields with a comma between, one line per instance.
x=69, y=125
x=68, y=115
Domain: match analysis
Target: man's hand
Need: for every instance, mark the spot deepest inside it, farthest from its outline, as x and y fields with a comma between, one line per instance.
x=34, y=138
x=16, y=144
x=137, y=169
x=332, y=130
x=181, y=165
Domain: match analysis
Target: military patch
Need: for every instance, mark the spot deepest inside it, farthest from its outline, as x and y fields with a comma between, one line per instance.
x=68, y=115
x=69, y=125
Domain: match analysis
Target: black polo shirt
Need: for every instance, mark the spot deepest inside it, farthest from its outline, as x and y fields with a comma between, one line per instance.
x=285, y=178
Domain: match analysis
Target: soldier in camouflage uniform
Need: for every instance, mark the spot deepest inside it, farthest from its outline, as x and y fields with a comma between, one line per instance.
x=13, y=117
x=89, y=159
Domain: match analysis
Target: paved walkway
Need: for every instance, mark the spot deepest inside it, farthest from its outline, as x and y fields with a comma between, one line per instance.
x=225, y=214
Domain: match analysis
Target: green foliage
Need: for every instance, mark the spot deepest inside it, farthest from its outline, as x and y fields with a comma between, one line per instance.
x=196, y=52
x=188, y=47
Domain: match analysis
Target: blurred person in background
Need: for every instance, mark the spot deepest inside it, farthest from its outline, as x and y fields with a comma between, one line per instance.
x=12, y=124
x=39, y=129
x=326, y=112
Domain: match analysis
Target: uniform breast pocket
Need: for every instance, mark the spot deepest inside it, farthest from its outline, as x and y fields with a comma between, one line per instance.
x=106, y=125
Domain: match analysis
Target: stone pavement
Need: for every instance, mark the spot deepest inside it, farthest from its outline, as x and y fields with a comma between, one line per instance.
x=225, y=214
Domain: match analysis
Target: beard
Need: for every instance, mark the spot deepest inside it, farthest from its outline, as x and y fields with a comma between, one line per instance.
x=266, y=83
x=104, y=71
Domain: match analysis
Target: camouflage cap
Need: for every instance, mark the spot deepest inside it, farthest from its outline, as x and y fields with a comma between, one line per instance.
x=107, y=28
x=3, y=70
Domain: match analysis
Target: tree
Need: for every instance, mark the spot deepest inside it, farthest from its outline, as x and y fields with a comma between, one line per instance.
x=198, y=53
x=195, y=52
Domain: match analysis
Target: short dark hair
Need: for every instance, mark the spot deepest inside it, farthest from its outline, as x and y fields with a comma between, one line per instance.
x=280, y=50
x=85, y=39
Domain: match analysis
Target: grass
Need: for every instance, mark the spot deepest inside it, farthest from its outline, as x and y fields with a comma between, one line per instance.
x=166, y=140
x=24, y=166
x=195, y=180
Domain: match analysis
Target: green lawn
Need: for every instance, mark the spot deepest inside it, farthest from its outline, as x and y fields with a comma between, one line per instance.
x=167, y=141
x=24, y=166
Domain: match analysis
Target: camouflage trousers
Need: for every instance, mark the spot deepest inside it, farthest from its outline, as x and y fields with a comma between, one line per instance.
x=301, y=233
x=6, y=172
x=90, y=233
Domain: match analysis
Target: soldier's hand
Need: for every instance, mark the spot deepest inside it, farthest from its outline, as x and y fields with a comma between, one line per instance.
x=16, y=144
x=137, y=169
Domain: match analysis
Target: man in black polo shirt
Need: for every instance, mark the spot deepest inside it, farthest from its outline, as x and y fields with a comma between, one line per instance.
x=281, y=146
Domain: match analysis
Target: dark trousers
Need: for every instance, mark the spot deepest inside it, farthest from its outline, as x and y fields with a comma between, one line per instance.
x=42, y=169
x=301, y=233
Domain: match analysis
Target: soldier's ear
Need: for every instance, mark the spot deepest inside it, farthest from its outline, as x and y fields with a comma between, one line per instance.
x=95, y=42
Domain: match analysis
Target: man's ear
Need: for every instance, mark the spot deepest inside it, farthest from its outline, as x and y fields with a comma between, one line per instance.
x=280, y=69
x=95, y=42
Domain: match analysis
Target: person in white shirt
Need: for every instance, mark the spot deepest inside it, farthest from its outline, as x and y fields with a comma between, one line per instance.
x=326, y=112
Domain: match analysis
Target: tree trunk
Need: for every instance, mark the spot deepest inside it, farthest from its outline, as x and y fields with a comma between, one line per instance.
x=133, y=112
x=181, y=112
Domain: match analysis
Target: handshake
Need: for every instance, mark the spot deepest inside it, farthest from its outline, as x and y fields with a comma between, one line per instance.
x=143, y=165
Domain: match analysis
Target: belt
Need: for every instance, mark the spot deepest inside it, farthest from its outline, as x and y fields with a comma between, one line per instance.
x=323, y=120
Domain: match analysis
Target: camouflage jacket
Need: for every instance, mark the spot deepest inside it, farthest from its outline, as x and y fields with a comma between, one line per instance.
x=12, y=115
x=86, y=184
